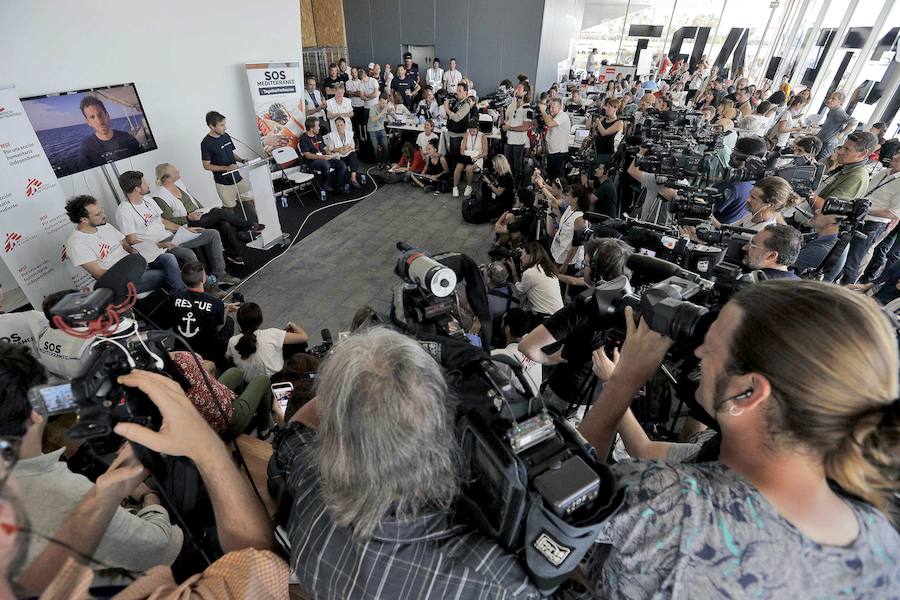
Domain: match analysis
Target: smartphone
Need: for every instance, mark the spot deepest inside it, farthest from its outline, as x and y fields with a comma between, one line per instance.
x=281, y=393
x=52, y=399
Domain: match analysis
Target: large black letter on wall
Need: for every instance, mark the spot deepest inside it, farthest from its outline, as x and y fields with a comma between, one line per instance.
x=643, y=32
x=698, y=34
x=735, y=43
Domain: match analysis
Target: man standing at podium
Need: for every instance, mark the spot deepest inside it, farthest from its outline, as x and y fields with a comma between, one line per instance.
x=217, y=153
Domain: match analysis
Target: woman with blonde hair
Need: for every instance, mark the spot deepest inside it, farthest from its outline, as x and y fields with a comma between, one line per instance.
x=801, y=379
x=179, y=206
x=502, y=185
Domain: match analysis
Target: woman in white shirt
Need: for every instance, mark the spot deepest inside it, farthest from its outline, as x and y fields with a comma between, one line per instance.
x=397, y=109
x=539, y=286
x=258, y=352
x=472, y=150
x=789, y=122
x=340, y=141
x=426, y=136
x=568, y=256
x=678, y=94
x=435, y=75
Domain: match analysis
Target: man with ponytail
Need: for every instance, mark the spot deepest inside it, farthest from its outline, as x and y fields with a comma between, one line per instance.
x=810, y=451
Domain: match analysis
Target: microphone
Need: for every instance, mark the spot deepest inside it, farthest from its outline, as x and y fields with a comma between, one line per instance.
x=655, y=269
x=251, y=148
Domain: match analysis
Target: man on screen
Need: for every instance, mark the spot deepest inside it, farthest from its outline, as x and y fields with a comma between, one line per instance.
x=107, y=144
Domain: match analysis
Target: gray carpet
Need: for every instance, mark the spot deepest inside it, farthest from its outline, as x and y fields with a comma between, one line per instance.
x=349, y=262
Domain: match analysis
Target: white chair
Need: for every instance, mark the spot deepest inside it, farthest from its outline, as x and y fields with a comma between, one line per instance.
x=287, y=158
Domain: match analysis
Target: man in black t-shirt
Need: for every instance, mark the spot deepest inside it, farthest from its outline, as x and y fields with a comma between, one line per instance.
x=412, y=69
x=312, y=148
x=568, y=338
x=106, y=144
x=203, y=320
x=218, y=156
x=405, y=85
x=605, y=191
x=334, y=78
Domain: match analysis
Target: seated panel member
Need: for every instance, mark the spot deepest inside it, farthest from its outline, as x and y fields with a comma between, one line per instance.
x=340, y=141
x=312, y=148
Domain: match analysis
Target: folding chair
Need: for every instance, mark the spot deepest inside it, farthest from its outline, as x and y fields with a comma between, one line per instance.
x=286, y=157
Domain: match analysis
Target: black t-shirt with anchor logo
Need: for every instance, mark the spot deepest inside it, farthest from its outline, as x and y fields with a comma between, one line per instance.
x=197, y=317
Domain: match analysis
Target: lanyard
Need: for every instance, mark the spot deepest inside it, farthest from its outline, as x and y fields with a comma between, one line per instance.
x=885, y=181
x=143, y=218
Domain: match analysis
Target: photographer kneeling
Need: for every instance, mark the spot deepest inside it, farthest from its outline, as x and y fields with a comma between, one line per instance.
x=764, y=520
x=371, y=467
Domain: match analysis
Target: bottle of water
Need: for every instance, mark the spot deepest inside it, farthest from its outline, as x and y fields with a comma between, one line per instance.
x=324, y=196
x=362, y=178
x=284, y=202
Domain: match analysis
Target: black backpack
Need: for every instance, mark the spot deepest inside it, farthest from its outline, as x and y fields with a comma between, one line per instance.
x=475, y=210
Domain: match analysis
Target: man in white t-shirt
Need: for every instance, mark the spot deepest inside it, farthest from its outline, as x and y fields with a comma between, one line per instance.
x=516, y=324
x=435, y=75
x=516, y=124
x=591, y=62
x=96, y=246
x=144, y=227
x=338, y=106
x=22, y=327
x=558, y=129
x=452, y=77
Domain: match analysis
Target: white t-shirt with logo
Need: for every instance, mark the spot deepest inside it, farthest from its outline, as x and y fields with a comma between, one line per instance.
x=452, y=78
x=145, y=221
x=23, y=328
x=558, y=137
x=61, y=353
x=343, y=108
x=267, y=360
x=104, y=247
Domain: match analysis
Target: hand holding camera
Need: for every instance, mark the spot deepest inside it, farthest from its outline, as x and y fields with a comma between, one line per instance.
x=642, y=353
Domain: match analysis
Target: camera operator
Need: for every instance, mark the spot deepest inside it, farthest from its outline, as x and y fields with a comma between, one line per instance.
x=768, y=198
x=656, y=196
x=851, y=178
x=815, y=250
x=558, y=128
x=50, y=491
x=457, y=114
x=539, y=287
x=516, y=125
x=772, y=250
x=605, y=190
x=371, y=468
x=501, y=185
x=884, y=193
x=605, y=130
x=573, y=333
x=734, y=205
x=792, y=421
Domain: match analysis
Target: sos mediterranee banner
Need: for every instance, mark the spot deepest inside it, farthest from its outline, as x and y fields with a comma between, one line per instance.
x=276, y=90
x=33, y=221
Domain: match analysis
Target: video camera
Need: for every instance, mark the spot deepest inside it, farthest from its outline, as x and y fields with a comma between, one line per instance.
x=500, y=98
x=804, y=178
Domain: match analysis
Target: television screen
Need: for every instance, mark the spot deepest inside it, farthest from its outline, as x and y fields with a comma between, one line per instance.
x=88, y=128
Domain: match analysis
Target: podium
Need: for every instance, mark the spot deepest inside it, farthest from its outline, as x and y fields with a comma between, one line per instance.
x=256, y=172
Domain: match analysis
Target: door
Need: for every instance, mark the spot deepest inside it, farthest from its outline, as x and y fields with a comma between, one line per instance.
x=422, y=56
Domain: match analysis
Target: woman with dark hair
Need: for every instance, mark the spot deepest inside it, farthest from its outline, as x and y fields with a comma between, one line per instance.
x=567, y=255
x=260, y=351
x=539, y=286
x=877, y=130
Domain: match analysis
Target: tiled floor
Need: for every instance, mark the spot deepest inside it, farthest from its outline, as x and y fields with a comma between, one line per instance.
x=349, y=262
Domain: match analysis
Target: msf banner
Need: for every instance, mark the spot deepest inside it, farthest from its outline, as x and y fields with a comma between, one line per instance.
x=33, y=221
x=276, y=90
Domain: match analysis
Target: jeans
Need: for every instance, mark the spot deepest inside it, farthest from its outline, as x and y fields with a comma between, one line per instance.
x=163, y=269
x=379, y=142
x=213, y=242
x=886, y=254
x=556, y=165
x=256, y=399
x=859, y=248
x=321, y=167
x=227, y=223
x=515, y=154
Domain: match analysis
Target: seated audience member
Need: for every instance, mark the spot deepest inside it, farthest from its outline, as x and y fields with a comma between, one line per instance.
x=313, y=149
x=50, y=491
x=501, y=184
x=427, y=107
x=411, y=160
x=144, y=228
x=539, y=287
x=472, y=151
x=579, y=330
x=338, y=106
x=426, y=136
x=434, y=170
x=180, y=207
x=818, y=483
x=258, y=351
x=371, y=469
x=397, y=109
x=510, y=227
x=375, y=129
x=772, y=250
x=60, y=353
x=340, y=141
x=516, y=324
x=301, y=371
x=24, y=327
x=815, y=250
x=201, y=318
x=248, y=570
x=788, y=122
x=96, y=246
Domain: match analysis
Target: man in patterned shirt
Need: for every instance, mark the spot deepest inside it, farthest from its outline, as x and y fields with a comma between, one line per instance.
x=371, y=467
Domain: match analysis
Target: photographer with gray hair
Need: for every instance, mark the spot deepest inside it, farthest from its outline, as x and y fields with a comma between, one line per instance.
x=371, y=468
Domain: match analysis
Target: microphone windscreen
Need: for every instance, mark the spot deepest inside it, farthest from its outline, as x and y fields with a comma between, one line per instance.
x=652, y=269
x=128, y=269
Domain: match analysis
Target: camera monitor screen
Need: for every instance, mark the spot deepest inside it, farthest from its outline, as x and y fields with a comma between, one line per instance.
x=88, y=128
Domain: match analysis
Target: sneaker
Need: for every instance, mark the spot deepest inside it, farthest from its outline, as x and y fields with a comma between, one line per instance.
x=455, y=192
x=235, y=260
x=468, y=191
x=229, y=279
x=215, y=291
x=437, y=192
